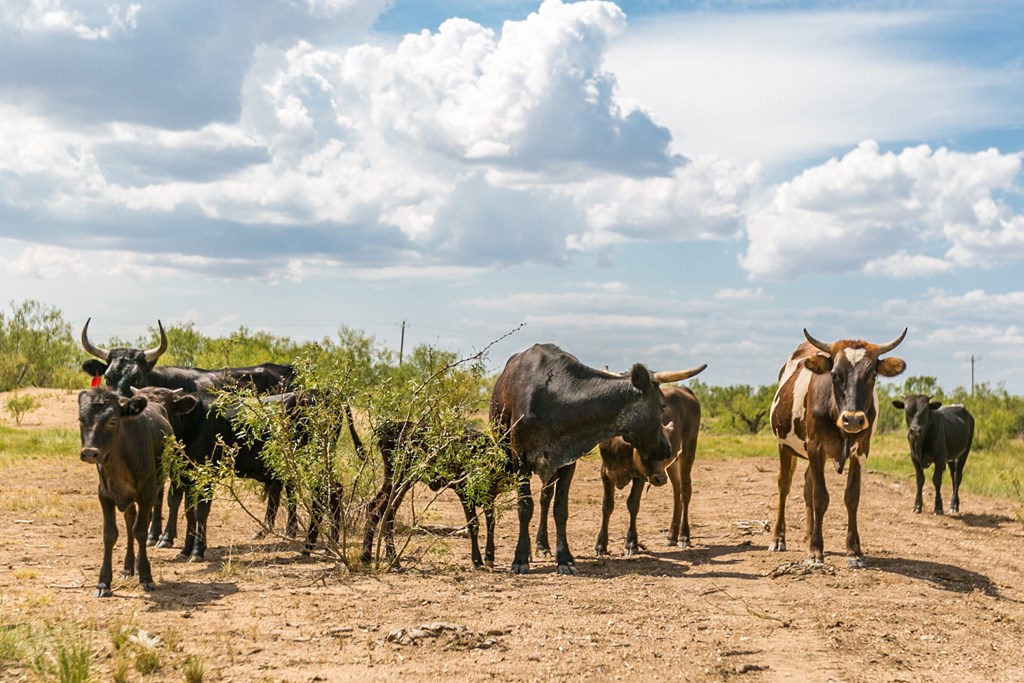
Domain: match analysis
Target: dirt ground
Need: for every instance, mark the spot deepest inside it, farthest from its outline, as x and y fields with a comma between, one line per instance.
x=940, y=599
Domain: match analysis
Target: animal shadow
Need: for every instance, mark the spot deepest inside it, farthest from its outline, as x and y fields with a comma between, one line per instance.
x=945, y=576
x=176, y=596
x=986, y=520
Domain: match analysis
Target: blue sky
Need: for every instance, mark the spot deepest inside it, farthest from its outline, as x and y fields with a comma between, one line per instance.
x=667, y=182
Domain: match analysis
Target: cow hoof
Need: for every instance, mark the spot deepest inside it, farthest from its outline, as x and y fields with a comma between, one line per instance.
x=814, y=563
x=164, y=542
x=543, y=552
x=937, y=511
x=521, y=569
x=856, y=562
x=126, y=574
x=568, y=569
x=777, y=546
x=262, y=533
x=629, y=552
x=685, y=543
x=917, y=509
x=601, y=550
x=954, y=511
x=151, y=542
x=147, y=586
x=102, y=591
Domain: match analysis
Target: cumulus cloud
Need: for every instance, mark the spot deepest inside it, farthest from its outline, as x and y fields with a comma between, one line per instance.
x=919, y=211
x=461, y=146
x=89, y=21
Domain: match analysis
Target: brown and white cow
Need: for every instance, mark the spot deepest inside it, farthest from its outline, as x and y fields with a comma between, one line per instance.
x=826, y=407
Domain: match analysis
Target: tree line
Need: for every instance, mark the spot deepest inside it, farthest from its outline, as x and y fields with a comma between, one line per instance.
x=38, y=347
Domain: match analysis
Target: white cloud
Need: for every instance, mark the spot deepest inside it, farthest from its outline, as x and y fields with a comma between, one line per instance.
x=782, y=86
x=870, y=209
x=54, y=16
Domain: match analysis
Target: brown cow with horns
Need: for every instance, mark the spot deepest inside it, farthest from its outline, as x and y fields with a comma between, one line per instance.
x=826, y=407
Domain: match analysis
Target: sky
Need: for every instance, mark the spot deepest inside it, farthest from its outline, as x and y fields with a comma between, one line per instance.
x=673, y=183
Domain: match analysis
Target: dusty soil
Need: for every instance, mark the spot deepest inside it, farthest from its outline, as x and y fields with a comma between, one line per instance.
x=941, y=598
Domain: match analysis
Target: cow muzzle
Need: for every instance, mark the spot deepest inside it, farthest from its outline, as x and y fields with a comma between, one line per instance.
x=91, y=456
x=658, y=479
x=852, y=422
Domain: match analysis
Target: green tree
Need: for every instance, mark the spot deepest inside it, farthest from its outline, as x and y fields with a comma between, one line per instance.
x=37, y=348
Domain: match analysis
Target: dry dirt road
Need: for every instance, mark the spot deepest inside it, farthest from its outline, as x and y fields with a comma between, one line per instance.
x=940, y=600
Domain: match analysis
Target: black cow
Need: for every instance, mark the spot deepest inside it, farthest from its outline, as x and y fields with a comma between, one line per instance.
x=201, y=432
x=622, y=464
x=124, y=368
x=399, y=444
x=941, y=436
x=124, y=438
x=550, y=409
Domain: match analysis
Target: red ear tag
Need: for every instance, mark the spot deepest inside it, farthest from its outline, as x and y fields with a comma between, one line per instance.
x=95, y=381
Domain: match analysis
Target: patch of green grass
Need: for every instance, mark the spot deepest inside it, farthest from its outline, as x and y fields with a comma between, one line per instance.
x=193, y=669
x=715, y=446
x=21, y=445
x=989, y=472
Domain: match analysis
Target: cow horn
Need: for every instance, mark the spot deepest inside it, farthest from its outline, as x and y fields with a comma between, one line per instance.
x=153, y=354
x=102, y=354
x=666, y=376
x=886, y=348
x=827, y=348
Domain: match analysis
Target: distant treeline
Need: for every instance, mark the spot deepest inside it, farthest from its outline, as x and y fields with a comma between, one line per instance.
x=38, y=347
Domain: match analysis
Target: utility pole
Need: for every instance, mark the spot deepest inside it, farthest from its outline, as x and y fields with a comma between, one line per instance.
x=401, y=347
x=972, y=375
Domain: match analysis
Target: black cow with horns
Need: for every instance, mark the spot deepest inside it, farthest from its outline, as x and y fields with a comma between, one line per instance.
x=550, y=409
x=124, y=368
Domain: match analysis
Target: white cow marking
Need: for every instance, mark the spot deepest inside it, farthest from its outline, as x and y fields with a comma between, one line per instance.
x=854, y=355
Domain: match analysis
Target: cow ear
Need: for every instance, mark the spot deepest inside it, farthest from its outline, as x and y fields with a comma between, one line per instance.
x=890, y=367
x=641, y=377
x=935, y=405
x=94, y=367
x=819, y=363
x=133, y=406
x=185, y=404
x=898, y=404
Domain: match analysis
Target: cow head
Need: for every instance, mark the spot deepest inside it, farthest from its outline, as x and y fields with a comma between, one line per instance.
x=122, y=368
x=643, y=429
x=854, y=365
x=918, y=409
x=99, y=416
x=174, y=401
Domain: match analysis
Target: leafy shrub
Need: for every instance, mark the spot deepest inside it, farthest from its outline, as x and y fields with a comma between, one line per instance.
x=19, y=405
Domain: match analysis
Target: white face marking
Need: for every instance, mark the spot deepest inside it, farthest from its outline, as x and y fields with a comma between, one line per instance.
x=854, y=355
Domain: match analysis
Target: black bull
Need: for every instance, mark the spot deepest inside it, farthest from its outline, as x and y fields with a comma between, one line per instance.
x=941, y=435
x=550, y=409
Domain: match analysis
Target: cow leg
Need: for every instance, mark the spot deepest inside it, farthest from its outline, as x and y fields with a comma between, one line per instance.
x=566, y=562
x=919, y=479
x=142, y=565
x=174, y=495
x=816, y=495
x=854, y=556
x=787, y=463
x=291, y=527
x=940, y=469
x=373, y=515
x=388, y=525
x=607, y=507
x=131, y=516
x=156, y=521
x=633, y=505
x=521, y=561
x=546, y=493
x=956, y=475
x=489, y=519
x=473, y=526
x=109, y=539
x=272, y=490
x=196, y=514
x=682, y=490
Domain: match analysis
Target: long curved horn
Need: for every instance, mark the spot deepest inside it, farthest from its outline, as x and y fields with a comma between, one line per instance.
x=827, y=348
x=100, y=353
x=153, y=354
x=666, y=376
x=886, y=348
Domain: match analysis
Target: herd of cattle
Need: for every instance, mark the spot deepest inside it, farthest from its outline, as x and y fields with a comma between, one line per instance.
x=548, y=408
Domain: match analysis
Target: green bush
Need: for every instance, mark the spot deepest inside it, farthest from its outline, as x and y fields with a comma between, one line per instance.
x=36, y=348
